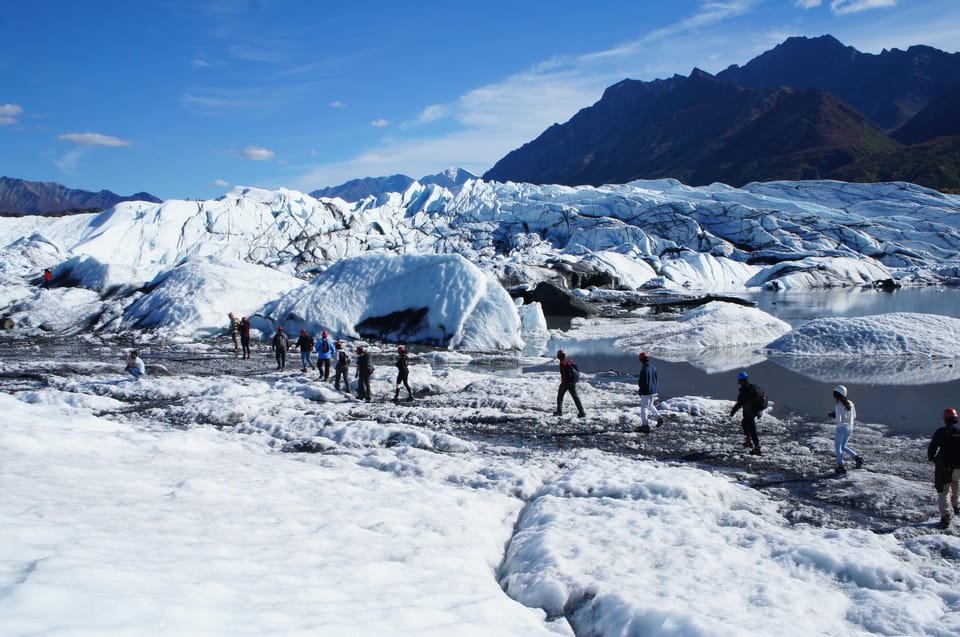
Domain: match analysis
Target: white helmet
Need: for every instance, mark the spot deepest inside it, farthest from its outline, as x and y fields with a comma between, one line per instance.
x=840, y=389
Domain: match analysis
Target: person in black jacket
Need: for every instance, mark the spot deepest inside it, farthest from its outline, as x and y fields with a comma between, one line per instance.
x=403, y=373
x=364, y=372
x=944, y=451
x=342, y=368
x=281, y=343
x=745, y=401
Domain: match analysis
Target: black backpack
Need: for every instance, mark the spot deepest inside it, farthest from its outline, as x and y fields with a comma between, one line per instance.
x=950, y=449
x=324, y=346
x=758, y=399
x=573, y=372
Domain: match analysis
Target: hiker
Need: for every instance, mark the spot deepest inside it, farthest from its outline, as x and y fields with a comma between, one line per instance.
x=944, y=451
x=245, y=336
x=569, y=375
x=281, y=343
x=364, y=372
x=47, y=278
x=403, y=373
x=234, y=330
x=305, y=343
x=844, y=413
x=135, y=365
x=326, y=349
x=649, y=387
x=753, y=401
x=342, y=367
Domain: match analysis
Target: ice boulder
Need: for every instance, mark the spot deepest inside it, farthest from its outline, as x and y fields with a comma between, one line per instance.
x=820, y=272
x=433, y=299
x=717, y=324
x=896, y=334
x=192, y=300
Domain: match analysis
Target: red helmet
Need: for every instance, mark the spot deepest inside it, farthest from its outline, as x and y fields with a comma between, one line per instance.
x=280, y=329
x=401, y=349
x=949, y=415
x=643, y=356
x=324, y=334
x=561, y=353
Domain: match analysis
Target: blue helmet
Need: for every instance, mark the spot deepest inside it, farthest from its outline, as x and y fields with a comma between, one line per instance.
x=742, y=376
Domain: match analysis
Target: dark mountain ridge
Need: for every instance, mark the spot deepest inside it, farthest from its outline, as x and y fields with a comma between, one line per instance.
x=770, y=124
x=35, y=197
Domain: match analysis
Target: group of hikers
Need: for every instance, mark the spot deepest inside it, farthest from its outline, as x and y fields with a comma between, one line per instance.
x=330, y=354
x=751, y=401
x=943, y=450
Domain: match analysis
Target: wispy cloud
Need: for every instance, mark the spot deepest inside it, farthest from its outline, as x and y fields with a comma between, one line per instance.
x=221, y=183
x=337, y=104
x=379, y=123
x=855, y=6
x=68, y=163
x=256, y=153
x=94, y=139
x=9, y=113
x=807, y=4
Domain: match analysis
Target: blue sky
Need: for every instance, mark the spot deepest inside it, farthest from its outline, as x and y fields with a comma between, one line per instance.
x=188, y=99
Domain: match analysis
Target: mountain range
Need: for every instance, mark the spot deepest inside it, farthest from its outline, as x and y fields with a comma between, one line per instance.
x=357, y=189
x=810, y=108
x=18, y=196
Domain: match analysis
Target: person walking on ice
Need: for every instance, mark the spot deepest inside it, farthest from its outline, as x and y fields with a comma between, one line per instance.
x=325, y=352
x=135, y=365
x=342, y=368
x=403, y=373
x=305, y=343
x=234, y=331
x=753, y=401
x=649, y=387
x=569, y=376
x=281, y=343
x=944, y=451
x=364, y=372
x=843, y=414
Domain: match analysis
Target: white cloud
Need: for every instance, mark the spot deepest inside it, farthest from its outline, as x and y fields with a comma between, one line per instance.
x=854, y=6
x=9, y=113
x=807, y=4
x=222, y=183
x=94, y=139
x=379, y=123
x=337, y=104
x=257, y=153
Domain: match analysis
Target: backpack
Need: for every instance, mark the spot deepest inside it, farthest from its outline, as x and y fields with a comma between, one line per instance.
x=950, y=449
x=309, y=343
x=758, y=399
x=324, y=346
x=573, y=372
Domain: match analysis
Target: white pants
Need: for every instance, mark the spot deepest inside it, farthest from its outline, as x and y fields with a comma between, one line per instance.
x=647, y=407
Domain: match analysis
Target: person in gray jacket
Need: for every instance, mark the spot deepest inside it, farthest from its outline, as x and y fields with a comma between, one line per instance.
x=281, y=343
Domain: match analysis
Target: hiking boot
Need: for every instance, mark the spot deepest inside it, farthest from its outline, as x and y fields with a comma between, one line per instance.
x=756, y=452
x=858, y=462
x=747, y=442
x=944, y=522
x=644, y=429
x=956, y=510
x=841, y=469
x=659, y=422
x=582, y=414
x=410, y=398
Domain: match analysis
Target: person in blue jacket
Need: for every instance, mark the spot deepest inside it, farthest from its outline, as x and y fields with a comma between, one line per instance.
x=326, y=350
x=649, y=386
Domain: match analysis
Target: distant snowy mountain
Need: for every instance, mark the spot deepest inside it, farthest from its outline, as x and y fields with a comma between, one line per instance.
x=33, y=197
x=647, y=234
x=357, y=189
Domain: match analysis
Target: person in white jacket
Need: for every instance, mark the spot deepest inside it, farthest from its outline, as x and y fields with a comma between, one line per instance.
x=843, y=414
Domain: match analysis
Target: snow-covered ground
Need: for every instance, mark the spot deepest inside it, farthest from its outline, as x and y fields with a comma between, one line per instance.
x=247, y=501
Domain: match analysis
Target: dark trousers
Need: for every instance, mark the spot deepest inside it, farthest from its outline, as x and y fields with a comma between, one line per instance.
x=749, y=425
x=344, y=374
x=281, y=357
x=245, y=343
x=572, y=388
x=402, y=378
x=323, y=366
x=363, y=387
